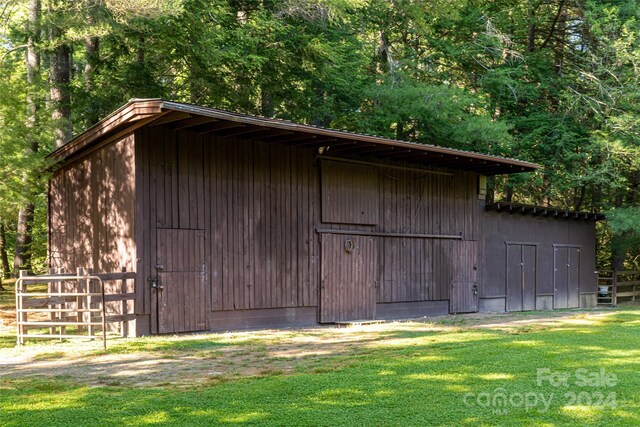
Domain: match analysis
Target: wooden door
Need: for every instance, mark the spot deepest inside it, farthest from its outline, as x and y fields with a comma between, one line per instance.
x=566, y=276
x=521, y=276
x=514, y=277
x=573, y=278
x=529, y=276
x=182, y=277
x=464, y=286
x=348, y=278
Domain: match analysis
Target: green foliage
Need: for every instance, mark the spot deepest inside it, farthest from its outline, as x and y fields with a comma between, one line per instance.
x=432, y=114
x=506, y=77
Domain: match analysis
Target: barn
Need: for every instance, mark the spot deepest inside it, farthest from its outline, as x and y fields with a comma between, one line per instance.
x=233, y=221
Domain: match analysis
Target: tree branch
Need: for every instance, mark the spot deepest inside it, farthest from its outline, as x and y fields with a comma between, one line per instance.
x=12, y=50
x=553, y=25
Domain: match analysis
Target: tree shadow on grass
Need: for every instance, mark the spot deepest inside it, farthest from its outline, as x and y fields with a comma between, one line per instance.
x=464, y=377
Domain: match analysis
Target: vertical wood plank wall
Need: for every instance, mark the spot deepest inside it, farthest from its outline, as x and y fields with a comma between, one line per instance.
x=501, y=231
x=409, y=202
x=255, y=202
x=91, y=215
x=92, y=209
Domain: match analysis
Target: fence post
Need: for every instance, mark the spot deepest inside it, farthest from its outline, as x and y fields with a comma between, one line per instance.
x=614, y=286
x=50, y=307
x=80, y=288
x=21, y=316
x=62, y=315
x=124, y=325
x=88, y=315
x=18, y=313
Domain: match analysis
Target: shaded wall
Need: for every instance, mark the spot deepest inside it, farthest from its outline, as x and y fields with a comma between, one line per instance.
x=91, y=217
x=437, y=211
x=92, y=210
x=256, y=204
x=260, y=206
x=540, y=233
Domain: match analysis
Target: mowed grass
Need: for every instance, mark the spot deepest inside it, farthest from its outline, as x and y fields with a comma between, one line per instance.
x=452, y=372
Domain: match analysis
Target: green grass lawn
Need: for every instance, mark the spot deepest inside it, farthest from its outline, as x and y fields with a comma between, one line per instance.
x=452, y=372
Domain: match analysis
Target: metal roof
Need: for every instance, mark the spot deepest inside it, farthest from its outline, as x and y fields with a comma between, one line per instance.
x=542, y=211
x=181, y=116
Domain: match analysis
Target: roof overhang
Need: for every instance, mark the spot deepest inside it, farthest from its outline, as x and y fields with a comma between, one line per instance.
x=542, y=211
x=180, y=116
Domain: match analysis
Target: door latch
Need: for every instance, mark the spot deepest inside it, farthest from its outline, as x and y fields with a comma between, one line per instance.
x=475, y=289
x=155, y=282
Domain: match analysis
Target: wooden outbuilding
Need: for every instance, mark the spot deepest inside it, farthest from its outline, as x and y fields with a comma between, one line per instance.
x=234, y=221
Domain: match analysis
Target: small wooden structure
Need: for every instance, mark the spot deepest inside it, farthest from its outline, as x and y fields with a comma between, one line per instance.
x=233, y=221
x=537, y=258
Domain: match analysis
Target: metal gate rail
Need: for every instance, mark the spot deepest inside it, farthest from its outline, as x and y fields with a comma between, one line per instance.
x=60, y=304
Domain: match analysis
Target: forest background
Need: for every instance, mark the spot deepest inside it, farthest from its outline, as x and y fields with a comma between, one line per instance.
x=554, y=82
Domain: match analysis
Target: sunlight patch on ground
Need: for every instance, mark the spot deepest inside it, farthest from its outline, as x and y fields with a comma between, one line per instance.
x=455, y=378
x=527, y=343
x=151, y=418
x=244, y=418
x=496, y=376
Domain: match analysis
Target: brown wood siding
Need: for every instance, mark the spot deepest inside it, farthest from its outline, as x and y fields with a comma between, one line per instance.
x=91, y=215
x=350, y=193
x=257, y=204
x=566, y=277
x=415, y=269
x=416, y=203
x=521, y=264
x=183, y=279
x=268, y=252
x=500, y=230
x=464, y=283
x=263, y=206
x=92, y=209
x=348, y=278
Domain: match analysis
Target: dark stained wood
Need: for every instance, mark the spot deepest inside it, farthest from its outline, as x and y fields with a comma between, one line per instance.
x=529, y=275
x=566, y=277
x=349, y=193
x=182, y=279
x=521, y=264
x=573, y=285
x=348, y=279
x=464, y=284
x=93, y=210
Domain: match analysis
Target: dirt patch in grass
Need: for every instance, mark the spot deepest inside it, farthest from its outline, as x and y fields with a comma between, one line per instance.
x=192, y=359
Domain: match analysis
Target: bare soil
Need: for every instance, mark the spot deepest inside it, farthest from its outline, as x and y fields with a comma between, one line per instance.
x=191, y=359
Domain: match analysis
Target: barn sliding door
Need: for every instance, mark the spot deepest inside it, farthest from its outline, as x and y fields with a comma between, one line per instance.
x=521, y=276
x=566, y=276
x=181, y=280
x=348, y=278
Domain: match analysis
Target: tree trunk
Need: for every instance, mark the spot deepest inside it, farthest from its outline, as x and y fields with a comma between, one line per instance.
x=382, y=52
x=22, y=253
x=60, y=76
x=266, y=104
x=618, y=255
x=562, y=35
x=546, y=185
x=4, y=258
x=22, y=258
x=507, y=194
x=531, y=38
x=92, y=49
x=59, y=80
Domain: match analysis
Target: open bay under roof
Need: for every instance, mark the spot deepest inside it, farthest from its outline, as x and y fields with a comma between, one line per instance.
x=179, y=116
